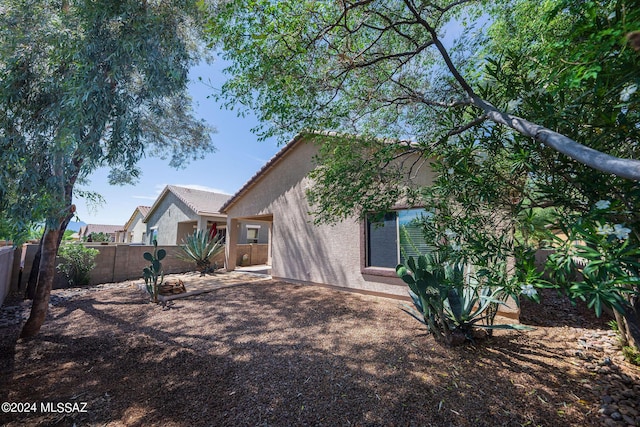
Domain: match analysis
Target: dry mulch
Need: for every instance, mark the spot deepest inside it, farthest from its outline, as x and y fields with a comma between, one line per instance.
x=272, y=353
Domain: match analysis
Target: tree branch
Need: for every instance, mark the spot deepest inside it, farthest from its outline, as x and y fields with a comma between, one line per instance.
x=624, y=168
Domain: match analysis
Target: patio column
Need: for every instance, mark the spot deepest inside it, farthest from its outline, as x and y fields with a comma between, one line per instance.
x=231, y=249
x=269, y=240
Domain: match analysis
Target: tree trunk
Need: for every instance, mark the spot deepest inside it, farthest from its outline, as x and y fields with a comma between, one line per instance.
x=629, y=323
x=32, y=283
x=46, y=274
x=47, y=267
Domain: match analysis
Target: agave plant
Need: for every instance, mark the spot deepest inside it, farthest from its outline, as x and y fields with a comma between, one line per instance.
x=201, y=247
x=451, y=309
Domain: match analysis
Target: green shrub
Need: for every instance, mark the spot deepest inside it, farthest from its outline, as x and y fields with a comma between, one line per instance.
x=99, y=237
x=631, y=354
x=77, y=261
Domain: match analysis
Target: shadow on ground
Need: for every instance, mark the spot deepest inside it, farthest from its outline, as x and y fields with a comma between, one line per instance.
x=281, y=354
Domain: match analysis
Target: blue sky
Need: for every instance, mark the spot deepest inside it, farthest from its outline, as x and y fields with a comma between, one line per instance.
x=238, y=157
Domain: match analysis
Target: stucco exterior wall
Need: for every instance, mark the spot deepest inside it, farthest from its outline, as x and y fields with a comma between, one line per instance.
x=138, y=230
x=166, y=217
x=302, y=251
x=263, y=232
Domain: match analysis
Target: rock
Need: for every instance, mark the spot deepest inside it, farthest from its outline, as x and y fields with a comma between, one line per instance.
x=479, y=334
x=626, y=379
x=616, y=416
x=606, y=399
x=628, y=393
x=172, y=287
x=628, y=410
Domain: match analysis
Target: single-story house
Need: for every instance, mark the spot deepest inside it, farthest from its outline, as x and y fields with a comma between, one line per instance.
x=135, y=230
x=178, y=211
x=112, y=231
x=356, y=254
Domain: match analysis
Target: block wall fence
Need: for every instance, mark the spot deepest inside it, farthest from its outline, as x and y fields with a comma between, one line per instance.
x=114, y=263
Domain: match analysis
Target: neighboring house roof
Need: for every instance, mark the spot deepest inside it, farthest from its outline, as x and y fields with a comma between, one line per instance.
x=99, y=228
x=201, y=202
x=144, y=210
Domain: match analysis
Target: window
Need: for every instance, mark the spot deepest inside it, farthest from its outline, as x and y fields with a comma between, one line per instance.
x=252, y=233
x=394, y=237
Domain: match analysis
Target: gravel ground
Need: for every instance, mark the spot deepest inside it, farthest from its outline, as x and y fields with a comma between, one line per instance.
x=276, y=354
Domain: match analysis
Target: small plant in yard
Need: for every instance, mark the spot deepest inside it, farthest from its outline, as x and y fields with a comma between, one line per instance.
x=631, y=354
x=77, y=261
x=453, y=308
x=201, y=247
x=154, y=275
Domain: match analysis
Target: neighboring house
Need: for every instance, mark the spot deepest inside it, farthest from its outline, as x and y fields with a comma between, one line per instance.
x=111, y=230
x=135, y=230
x=178, y=211
x=355, y=254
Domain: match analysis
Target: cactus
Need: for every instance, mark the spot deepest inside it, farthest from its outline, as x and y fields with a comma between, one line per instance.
x=153, y=275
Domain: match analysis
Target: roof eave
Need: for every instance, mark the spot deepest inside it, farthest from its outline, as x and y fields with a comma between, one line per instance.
x=264, y=170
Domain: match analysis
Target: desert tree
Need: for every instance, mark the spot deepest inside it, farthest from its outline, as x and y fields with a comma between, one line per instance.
x=89, y=84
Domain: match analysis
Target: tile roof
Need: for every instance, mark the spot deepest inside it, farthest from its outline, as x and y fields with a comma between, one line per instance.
x=99, y=228
x=283, y=152
x=144, y=210
x=201, y=202
x=263, y=170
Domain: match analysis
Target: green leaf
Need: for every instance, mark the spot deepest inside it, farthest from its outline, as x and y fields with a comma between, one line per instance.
x=422, y=262
x=408, y=279
x=411, y=263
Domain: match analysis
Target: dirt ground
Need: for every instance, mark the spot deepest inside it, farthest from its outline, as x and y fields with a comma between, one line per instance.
x=276, y=354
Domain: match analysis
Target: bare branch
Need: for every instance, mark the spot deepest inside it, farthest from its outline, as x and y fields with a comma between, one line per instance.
x=457, y=131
